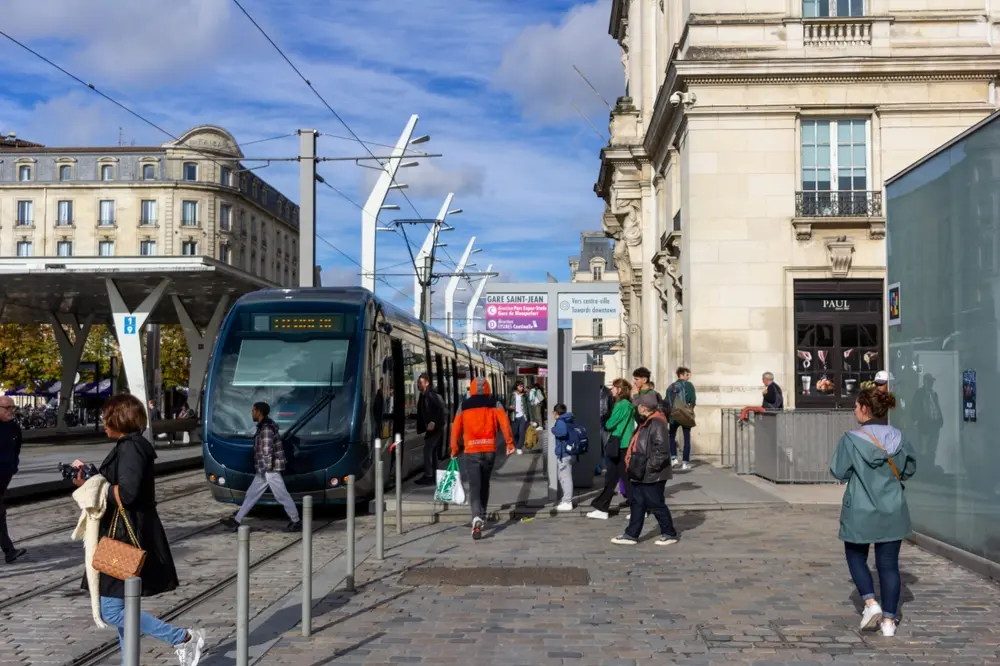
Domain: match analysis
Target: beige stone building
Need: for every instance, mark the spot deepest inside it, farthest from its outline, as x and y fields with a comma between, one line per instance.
x=595, y=263
x=744, y=179
x=187, y=197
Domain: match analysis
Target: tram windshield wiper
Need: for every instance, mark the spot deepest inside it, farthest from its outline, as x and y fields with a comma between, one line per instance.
x=314, y=409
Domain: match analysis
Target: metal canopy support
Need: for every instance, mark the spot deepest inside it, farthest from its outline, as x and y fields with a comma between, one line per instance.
x=558, y=385
x=307, y=208
x=449, y=292
x=427, y=250
x=127, y=325
x=470, y=312
x=372, y=207
x=70, y=351
x=199, y=346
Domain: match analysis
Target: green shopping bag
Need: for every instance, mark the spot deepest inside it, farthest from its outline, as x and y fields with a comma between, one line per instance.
x=449, y=484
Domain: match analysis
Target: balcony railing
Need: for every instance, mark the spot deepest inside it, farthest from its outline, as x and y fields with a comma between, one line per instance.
x=837, y=32
x=838, y=204
x=106, y=222
x=25, y=222
x=64, y=222
x=147, y=221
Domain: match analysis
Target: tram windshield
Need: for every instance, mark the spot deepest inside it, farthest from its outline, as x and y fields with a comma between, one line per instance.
x=292, y=373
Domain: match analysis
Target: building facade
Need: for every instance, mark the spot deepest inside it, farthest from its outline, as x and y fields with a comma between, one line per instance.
x=596, y=264
x=745, y=177
x=186, y=197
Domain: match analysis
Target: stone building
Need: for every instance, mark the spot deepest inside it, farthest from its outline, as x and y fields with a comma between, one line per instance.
x=596, y=264
x=744, y=180
x=187, y=197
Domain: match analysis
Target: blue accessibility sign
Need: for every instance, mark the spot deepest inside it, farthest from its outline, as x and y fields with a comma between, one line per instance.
x=130, y=327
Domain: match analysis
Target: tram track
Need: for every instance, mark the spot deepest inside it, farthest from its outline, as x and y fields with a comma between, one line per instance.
x=106, y=650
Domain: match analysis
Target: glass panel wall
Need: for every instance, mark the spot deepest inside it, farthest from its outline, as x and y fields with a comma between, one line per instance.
x=944, y=340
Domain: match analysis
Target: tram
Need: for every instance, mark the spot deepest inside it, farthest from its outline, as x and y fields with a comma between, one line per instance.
x=339, y=368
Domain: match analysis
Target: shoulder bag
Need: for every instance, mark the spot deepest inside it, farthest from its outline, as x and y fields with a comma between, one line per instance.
x=892, y=464
x=117, y=558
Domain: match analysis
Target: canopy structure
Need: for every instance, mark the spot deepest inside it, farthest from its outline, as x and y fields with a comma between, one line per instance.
x=127, y=293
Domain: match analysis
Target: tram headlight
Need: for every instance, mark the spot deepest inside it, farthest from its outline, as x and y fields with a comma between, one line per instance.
x=222, y=480
x=334, y=482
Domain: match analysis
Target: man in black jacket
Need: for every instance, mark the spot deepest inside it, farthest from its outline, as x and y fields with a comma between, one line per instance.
x=648, y=464
x=10, y=454
x=430, y=423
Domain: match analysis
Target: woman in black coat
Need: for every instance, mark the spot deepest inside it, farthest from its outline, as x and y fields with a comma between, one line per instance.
x=128, y=469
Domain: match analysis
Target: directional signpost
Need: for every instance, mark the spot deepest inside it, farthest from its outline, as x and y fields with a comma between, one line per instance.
x=517, y=312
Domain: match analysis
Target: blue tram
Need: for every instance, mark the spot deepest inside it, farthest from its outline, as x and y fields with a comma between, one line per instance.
x=339, y=368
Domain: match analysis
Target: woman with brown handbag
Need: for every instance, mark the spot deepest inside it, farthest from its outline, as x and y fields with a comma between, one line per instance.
x=133, y=541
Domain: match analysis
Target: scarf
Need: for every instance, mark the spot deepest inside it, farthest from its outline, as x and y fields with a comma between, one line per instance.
x=92, y=498
x=658, y=415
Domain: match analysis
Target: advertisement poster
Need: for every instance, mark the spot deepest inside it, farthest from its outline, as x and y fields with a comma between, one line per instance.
x=969, y=396
x=895, y=316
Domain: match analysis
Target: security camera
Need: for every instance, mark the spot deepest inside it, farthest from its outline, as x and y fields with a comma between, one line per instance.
x=675, y=99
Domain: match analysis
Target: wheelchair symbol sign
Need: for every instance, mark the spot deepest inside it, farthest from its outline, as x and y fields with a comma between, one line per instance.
x=130, y=326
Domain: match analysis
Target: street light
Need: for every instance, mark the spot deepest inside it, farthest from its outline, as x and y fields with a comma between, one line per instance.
x=470, y=313
x=371, y=209
x=449, y=296
x=421, y=139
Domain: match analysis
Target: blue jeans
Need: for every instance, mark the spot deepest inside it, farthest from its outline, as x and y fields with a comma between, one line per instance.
x=520, y=429
x=113, y=612
x=673, y=441
x=649, y=497
x=887, y=564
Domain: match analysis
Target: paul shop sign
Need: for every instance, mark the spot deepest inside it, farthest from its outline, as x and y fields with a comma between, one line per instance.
x=517, y=312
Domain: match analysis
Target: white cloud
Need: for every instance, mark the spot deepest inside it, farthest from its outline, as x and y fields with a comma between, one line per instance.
x=537, y=67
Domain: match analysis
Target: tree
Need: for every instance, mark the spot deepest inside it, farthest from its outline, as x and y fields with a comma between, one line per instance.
x=28, y=353
x=175, y=360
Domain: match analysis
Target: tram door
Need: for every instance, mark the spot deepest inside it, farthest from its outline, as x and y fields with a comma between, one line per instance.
x=399, y=390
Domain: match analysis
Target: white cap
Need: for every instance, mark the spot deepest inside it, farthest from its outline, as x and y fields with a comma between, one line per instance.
x=883, y=377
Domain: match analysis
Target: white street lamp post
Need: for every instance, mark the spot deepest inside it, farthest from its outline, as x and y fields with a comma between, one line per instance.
x=425, y=251
x=369, y=214
x=470, y=314
x=449, y=294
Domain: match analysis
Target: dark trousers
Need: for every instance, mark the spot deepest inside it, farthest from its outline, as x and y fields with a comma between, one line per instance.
x=673, y=441
x=432, y=442
x=5, y=543
x=649, y=497
x=887, y=564
x=478, y=469
x=615, y=472
x=520, y=429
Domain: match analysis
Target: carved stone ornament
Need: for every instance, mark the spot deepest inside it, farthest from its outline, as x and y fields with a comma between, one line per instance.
x=625, y=44
x=841, y=254
x=631, y=225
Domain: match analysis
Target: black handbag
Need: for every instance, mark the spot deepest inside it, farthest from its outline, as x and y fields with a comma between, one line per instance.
x=613, y=449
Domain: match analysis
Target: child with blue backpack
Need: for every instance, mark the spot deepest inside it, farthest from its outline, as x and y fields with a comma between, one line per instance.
x=570, y=440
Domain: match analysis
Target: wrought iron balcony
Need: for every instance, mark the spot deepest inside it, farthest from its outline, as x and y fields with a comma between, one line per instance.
x=838, y=204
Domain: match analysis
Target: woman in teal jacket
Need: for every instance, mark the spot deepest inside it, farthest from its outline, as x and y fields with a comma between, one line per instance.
x=875, y=460
x=619, y=426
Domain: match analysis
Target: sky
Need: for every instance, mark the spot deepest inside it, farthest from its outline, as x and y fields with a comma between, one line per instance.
x=492, y=82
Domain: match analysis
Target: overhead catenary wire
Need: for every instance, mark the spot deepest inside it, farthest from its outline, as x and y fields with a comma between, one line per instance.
x=323, y=101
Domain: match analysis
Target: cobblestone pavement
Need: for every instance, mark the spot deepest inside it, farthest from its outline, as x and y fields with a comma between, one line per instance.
x=761, y=586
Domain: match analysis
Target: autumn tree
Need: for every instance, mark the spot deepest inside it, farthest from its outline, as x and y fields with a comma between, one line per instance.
x=175, y=360
x=28, y=353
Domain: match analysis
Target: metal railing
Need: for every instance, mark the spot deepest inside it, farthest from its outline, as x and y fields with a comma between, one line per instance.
x=838, y=204
x=790, y=446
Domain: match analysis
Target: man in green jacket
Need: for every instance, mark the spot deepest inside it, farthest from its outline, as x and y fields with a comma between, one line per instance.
x=681, y=394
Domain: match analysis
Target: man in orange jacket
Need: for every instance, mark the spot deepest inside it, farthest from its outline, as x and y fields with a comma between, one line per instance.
x=475, y=426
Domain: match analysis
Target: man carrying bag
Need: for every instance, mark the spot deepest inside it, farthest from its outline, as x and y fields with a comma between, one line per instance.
x=681, y=395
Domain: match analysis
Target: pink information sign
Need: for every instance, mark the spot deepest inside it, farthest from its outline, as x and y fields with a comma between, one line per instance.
x=517, y=312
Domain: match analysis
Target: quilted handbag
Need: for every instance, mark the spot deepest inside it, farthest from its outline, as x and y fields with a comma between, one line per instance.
x=117, y=558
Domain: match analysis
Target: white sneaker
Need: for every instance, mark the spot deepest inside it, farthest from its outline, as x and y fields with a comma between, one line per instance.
x=597, y=514
x=539, y=428
x=520, y=452
x=565, y=506
x=624, y=541
x=674, y=462
x=871, y=616
x=888, y=628
x=189, y=653
x=666, y=541
x=686, y=466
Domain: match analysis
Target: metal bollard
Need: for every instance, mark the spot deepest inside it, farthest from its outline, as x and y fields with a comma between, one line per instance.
x=133, y=608
x=243, y=597
x=379, y=502
x=307, y=564
x=349, y=580
x=399, y=484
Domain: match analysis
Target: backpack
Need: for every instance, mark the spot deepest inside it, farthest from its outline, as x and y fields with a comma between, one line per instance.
x=577, y=441
x=680, y=411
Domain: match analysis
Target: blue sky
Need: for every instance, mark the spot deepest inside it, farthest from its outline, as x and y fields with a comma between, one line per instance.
x=492, y=81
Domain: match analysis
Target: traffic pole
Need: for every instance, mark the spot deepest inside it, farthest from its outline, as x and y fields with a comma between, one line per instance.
x=349, y=580
x=307, y=558
x=379, y=502
x=243, y=597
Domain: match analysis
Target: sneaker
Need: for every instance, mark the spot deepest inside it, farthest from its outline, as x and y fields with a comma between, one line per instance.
x=686, y=466
x=564, y=506
x=665, y=540
x=477, y=529
x=520, y=452
x=871, y=617
x=13, y=555
x=189, y=652
x=888, y=628
x=231, y=523
x=597, y=514
x=674, y=462
x=294, y=526
x=624, y=540
x=539, y=428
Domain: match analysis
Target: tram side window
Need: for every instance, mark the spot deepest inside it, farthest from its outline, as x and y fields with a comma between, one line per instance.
x=414, y=364
x=452, y=381
x=463, y=372
x=439, y=384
